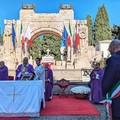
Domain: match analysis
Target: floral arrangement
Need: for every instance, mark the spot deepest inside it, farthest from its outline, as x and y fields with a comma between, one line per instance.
x=80, y=90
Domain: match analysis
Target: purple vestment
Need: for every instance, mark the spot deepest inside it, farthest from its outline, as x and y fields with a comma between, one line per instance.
x=28, y=68
x=95, y=83
x=4, y=73
x=49, y=83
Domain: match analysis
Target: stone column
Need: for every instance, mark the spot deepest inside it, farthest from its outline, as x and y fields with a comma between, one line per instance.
x=69, y=53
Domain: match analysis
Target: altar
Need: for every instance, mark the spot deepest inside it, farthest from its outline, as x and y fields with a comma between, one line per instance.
x=21, y=98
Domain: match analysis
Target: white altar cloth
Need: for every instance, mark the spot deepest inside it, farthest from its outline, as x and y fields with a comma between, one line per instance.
x=21, y=98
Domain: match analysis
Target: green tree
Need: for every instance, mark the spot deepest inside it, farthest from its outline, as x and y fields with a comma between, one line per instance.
x=35, y=49
x=101, y=25
x=89, y=24
x=52, y=43
x=116, y=32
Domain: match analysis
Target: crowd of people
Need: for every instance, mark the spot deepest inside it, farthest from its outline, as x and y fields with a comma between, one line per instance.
x=104, y=81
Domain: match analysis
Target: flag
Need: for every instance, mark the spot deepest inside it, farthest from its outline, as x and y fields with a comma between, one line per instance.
x=77, y=37
x=27, y=35
x=69, y=39
x=21, y=36
x=64, y=37
x=13, y=35
x=114, y=93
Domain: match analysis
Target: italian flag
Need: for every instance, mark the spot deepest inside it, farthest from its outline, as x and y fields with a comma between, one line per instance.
x=21, y=36
x=27, y=35
x=77, y=38
x=69, y=38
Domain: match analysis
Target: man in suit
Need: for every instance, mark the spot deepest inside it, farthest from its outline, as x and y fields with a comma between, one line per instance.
x=112, y=76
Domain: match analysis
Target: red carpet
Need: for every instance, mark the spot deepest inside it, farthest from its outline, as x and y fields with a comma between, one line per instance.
x=14, y=118
x=63, y=105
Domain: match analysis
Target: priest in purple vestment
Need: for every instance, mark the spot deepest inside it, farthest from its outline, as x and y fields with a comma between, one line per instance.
x=3, y=71
x=23, y=68
x=48, y=82
x=95, y=83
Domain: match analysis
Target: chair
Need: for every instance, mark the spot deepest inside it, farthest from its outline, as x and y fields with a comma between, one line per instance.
x=63, y=84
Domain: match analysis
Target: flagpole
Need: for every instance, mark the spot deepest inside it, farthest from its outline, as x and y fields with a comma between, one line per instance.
x=20, y=42
x=27, y=38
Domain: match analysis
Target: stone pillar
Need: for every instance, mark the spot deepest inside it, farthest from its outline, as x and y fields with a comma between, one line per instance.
x=69, y=53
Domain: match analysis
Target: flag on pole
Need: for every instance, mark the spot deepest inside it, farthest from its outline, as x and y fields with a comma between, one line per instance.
x=13, y=35
x=27, y=35
x=21, y=36
x=77, y=37
x=69, y=39
x=64, y=37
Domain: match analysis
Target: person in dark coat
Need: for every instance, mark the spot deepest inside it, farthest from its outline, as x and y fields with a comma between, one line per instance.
x=48, y=82
x=112, y=76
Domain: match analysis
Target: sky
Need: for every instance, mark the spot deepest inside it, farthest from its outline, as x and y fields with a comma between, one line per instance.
x=10, y=9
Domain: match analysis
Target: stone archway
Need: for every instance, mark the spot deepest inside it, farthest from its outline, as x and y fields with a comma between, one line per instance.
x=50, y=32
x=43, y=23
x=41, y=32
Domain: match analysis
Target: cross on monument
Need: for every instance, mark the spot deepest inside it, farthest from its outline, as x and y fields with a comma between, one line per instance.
x=14, y=94
x=48, y=52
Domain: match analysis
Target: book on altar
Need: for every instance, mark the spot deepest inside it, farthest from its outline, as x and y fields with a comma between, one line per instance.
x=27, y=76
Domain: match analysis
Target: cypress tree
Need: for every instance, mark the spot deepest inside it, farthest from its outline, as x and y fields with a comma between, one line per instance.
x=89, y=24
x=101, y=25
x=116, y=32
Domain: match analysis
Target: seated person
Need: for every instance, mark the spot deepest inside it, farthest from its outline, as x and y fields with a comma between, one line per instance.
x=3, y=71
x=24, y=68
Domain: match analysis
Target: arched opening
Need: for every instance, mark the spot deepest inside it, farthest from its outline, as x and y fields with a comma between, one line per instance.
x=45, y=32
x=51, y=40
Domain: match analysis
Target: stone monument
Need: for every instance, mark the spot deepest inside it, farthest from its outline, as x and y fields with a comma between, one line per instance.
x=48, y=59
x=42, y=23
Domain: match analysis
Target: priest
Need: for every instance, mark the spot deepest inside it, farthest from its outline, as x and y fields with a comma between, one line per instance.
x=24, y=68
x=48, y=82
x=3, y=71
x=95, y=83
x=39, y=71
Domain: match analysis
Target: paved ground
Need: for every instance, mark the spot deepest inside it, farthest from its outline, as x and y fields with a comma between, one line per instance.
x=57, y=90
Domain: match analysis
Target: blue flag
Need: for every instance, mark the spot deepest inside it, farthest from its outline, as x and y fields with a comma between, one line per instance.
x=64, y=37
x=13, y=35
